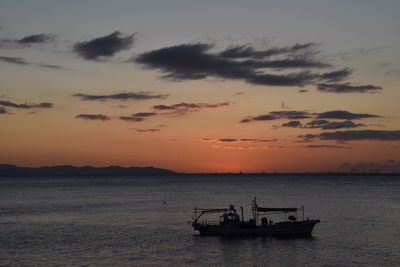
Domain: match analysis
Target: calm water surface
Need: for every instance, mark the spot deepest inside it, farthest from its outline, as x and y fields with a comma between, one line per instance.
x=122, y=221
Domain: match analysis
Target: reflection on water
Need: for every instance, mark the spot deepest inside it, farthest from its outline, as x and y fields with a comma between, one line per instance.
x=123, y=221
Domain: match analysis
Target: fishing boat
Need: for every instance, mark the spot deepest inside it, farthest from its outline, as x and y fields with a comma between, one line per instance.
x=232, y=224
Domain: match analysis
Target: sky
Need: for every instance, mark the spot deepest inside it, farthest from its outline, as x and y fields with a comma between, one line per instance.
x=201, y=86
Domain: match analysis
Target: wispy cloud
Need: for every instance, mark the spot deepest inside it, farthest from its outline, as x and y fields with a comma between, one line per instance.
x=232, y=147
x=131, y=118
x=275, y=115
x=122, y=96
x=21, y=61
x=300, y=115
x=105, y=46
x=331, y=125
x=342, y=114
x=151, y=130
x=183, y=108
x=238, y=140
x=347, y=88
x=328, y=146
x=27, y=41
x=343, y=136
x=25, y=106
x=292, y=124
x=195, y=61
x=93, y=117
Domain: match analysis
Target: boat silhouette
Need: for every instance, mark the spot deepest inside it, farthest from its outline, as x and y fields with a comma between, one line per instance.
x=231, y=224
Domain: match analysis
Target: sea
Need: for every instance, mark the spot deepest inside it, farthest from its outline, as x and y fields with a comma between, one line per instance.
x=145, y=221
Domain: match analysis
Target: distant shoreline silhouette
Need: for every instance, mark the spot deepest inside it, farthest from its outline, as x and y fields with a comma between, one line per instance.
x=8, y=170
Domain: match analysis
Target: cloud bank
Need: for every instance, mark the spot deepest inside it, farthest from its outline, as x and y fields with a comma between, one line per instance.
x=121, y=96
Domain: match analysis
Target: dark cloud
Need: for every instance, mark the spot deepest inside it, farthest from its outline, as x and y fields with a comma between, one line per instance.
x=21, y=61
x=14, y=60
x=275, y=115
x=92, y=117
x=3, y=110
x=291, y=114
x=343, y=136
x=49, y=66
x=131, y=118
x=361, y=135
x=303, y=91
x=36, y=38
x=25, y=106
x=246, y=51
x=327, y=146
x=336, y=76
x=121, y=96
x=342, y=114
x=140, y=116
x=236, y=140
x=27, y=41
x=331, y=125
x=307, y=137
x=183, y=108
x=152, y=130
x=144, y=114
x=293, y=124
x=347, y=88
x=105, y=46
x=194, y=61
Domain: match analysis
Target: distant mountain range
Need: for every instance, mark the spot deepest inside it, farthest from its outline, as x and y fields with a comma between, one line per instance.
x=57, y=171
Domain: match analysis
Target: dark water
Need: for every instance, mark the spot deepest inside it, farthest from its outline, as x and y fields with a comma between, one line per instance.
x=122, y=221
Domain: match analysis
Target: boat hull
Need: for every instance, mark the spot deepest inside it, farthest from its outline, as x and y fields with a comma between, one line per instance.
x=298, y=228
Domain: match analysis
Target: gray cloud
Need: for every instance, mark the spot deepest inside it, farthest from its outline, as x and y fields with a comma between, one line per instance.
x=36, y=38
x=144, y=114
x=343, y=136
x=140, y=116
x=238, y=140
x=92, y=117
x=27, y=41
x=361, y=135
x=183, y=108
x=307, y=137
x=327, y=146
x=131, y=118
x=247, y=51
x=23, y=62
x=275, y=115
x=151, y=130
x=347, y=88
x=293, y=124
x=25, y=106
x=121, y=96
x=331, y=125
x=14, y=60
x=105, y=46
x=342, y=114
x=194, y=61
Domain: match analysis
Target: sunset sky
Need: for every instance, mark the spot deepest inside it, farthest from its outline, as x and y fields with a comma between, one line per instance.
x=201, y=86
